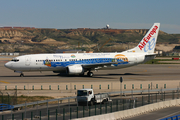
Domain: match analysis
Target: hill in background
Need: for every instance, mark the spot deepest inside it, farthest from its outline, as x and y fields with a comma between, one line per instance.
x=34, y=40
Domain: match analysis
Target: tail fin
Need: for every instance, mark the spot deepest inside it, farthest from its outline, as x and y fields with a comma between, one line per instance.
x=148, y=43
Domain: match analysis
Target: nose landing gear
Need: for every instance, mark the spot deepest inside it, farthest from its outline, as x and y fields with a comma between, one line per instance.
x=21, y=73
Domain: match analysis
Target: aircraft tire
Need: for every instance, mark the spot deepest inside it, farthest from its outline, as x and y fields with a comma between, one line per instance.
x=90, y=74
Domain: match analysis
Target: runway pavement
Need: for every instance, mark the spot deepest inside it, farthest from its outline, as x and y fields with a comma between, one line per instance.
x=145, y=74
x=142, y=72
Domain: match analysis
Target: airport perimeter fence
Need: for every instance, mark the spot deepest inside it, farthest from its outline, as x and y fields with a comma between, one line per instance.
x=73, y=87
x=8, y=97
x=71, y=110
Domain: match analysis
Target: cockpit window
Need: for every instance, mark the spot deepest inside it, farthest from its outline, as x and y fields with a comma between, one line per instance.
x=15, y=60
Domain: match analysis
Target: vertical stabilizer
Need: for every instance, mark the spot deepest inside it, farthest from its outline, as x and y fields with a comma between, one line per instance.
x=148, y=43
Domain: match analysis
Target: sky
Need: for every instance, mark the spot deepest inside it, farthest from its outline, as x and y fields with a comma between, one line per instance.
x=66, y=14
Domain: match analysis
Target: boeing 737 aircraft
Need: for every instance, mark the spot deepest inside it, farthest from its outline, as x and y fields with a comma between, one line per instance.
x=79, y=63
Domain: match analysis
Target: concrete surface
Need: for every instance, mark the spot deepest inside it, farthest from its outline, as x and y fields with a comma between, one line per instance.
x=162, y=74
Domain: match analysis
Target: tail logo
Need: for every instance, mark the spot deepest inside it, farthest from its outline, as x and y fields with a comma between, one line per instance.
x=150, y=45
x=146, y=39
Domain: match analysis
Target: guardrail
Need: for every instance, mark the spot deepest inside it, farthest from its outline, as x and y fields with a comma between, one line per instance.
x=110, y=93
x=43, y=101
x=5, y=107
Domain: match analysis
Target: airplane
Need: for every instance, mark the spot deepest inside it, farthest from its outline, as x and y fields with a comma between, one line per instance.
x=79, y=63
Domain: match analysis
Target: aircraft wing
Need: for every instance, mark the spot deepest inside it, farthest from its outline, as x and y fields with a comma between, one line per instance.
x=101, y=65
x=151, y=54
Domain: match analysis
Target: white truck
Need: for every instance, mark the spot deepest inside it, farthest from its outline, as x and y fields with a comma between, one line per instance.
x=87, y=96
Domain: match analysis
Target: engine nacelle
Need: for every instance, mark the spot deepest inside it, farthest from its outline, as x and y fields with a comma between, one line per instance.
x=75, y=69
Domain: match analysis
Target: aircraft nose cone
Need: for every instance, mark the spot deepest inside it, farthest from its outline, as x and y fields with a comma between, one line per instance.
x=8, y=65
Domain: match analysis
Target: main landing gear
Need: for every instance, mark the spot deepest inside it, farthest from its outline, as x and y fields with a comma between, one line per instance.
x=21, y=75
x=90, y=74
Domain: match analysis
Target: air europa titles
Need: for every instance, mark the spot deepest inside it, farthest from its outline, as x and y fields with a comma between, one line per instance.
x=146, y=39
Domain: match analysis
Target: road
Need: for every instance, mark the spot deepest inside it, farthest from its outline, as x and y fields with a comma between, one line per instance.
x=159, y=114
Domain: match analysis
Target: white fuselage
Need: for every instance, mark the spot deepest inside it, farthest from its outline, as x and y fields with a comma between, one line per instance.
x=58, y=62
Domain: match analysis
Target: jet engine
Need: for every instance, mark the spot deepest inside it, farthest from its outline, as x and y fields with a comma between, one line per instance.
x=75, y=69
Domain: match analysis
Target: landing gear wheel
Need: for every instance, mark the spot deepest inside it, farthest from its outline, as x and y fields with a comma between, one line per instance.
x=90, y=74
x=21, y=75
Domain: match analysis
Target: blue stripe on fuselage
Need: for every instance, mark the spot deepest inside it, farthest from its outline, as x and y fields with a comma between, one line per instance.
x=87, y=61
